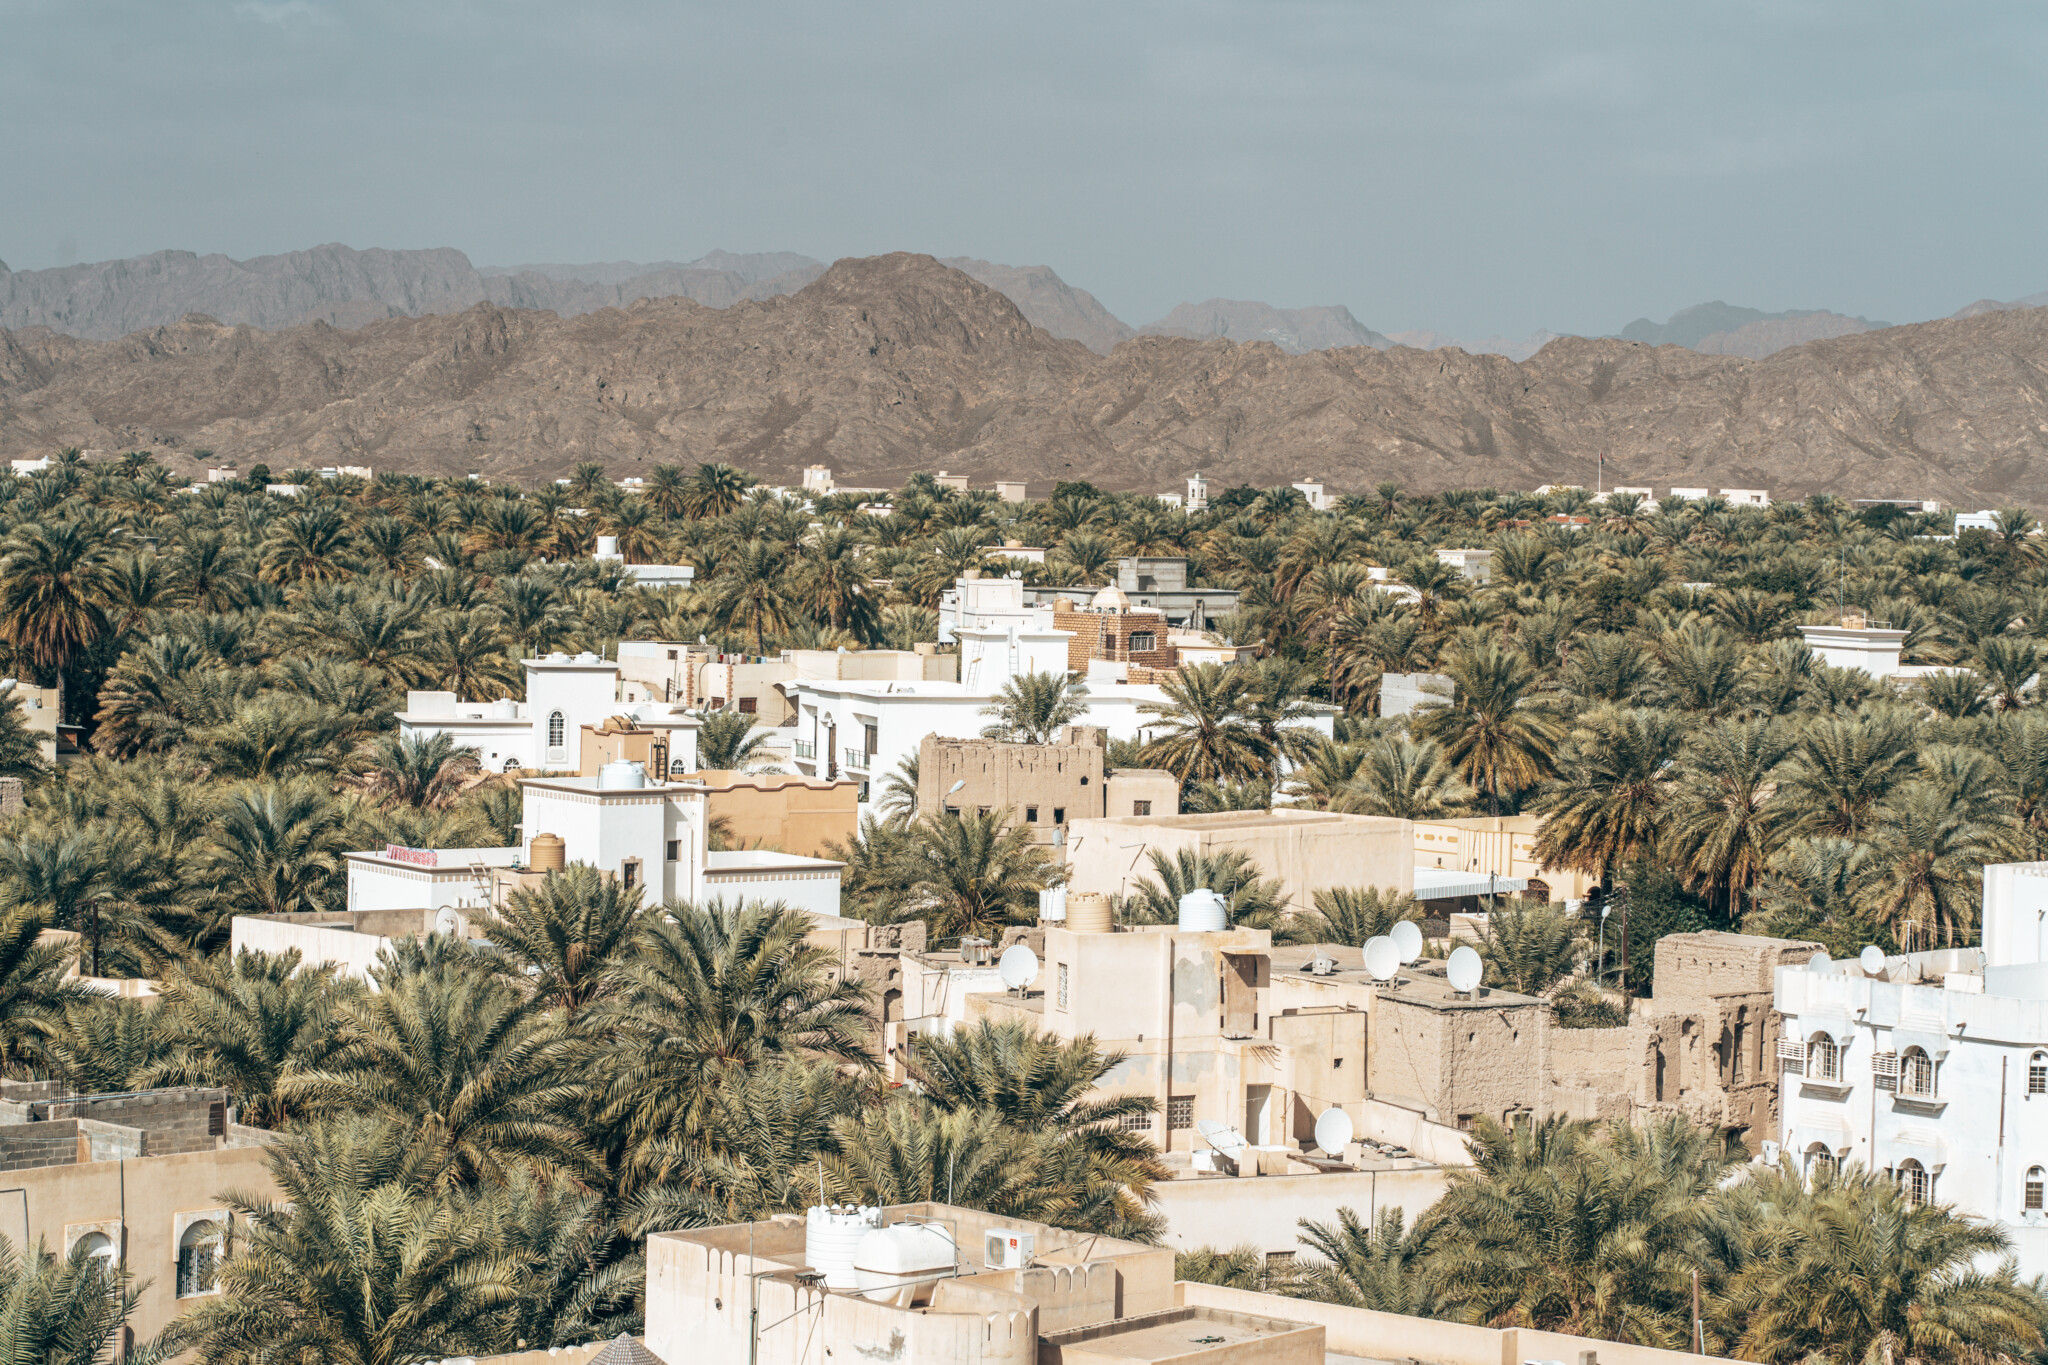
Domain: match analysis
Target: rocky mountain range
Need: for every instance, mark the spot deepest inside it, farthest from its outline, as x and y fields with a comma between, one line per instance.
x=1722, y=329
x=888, y=365
x=1296, y=331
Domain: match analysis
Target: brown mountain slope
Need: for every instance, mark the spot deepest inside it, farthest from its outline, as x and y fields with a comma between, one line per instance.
x=889, y=365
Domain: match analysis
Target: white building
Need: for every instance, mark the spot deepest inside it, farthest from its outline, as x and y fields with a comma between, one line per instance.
x=1934, y=1067
x=1475, y=565
x=1857, y=642
x=541, y=734
x=1688, y=494
x=1198, y=493
x=1746, y=497
x=1986, y=520
x=1313, y=494
x=644, y=575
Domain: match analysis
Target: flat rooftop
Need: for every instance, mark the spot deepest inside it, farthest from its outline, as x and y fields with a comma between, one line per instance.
x=1192, y=1334
x=1421, y=982
x=1257, y=819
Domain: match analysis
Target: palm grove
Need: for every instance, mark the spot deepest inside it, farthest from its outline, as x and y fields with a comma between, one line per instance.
x=473, y=1153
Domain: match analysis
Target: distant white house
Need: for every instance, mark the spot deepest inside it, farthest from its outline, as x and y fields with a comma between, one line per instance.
x=644, y=575
x=1873, y=646
x=1986, y=520
x=542, y=732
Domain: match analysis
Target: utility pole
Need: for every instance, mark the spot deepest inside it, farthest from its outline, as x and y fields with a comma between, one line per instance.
x=1620, y=894
x=1699, y=1334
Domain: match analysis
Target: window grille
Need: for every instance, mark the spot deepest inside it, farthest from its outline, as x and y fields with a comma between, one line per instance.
x=1791, y=1056
x=1819, y=1160
x=199, y=1260
x=1134, y=1123
x=1144, y=642
x=1884, y=1070
x=558, y=729
x=2037, y=1074
x=1063, y=985
x=1914, y=1182
x=2036, y=1180
x=1180, y=1111
x=750, y=706
x=1823, y=1059
x=1916, y=1074
x=1141, y=807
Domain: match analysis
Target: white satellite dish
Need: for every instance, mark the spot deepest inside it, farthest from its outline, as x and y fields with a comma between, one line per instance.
x=1222, y=1137
x=1382, y=958
x=1464, y=970
x=1407, y=936
x=1872, y=959
x=1333, y=1131
x=1819, y=960
x=1018, y=967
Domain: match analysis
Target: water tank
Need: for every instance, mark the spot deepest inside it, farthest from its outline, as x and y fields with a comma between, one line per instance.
x=1201, y=911
x=1088, y=912
x=586, y=657
x=557, y=657
x=1052, y=905
x=831, y=1232
x=890, y=1263
x=504, y=708
x=607, y=546
x=621, y=775
x=549, y=853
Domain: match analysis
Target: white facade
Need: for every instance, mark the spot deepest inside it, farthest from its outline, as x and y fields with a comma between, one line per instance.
x=1976, y=521
x=1936, y=1067
x=1198, y=493
x=1747, y=497
x=1475, y=565
x=1314, y=495
x=1689, y=494
x=394, y=878
x=1873, y=649
x=644, y=575
x=541, y=734
x=989, y=604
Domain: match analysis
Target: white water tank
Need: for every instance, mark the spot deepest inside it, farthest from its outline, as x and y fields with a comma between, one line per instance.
x=504, y=708
x=607, y=547
x=890, y=1263
x=586, y=657
x=621, y=775
x=1201, y=911
x=831, y=1232
x=1052, y=905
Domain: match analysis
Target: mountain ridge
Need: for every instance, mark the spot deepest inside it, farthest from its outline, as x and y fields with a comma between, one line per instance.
x=888, y=365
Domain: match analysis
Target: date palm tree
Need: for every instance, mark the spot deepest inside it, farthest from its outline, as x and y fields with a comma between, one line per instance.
x=1034, y=707
x=714, y=490
x=1249, y=900
x=1498, y=734
x=1203, y=731
x=1402, y=778
x=1530, y=946
x=422, y=773
x=1382, y=1266
x=1841, y=766
x=708, y=991
x=1353, y=914
x=1725, y=823
x=976, y=873
x=748, y=596
x=278, y=847
x=73, y=1310
x=56, y=580
x=477, y=1073
x=246, y=1024
x=567, y=936
x=730, y=741
x=1609, y=803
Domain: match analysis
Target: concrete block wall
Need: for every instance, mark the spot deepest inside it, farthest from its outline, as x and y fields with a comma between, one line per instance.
x=109, y=1141
x=29, y=1145
x=172, y=1121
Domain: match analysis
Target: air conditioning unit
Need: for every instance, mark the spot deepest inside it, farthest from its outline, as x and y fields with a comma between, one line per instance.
x=1007, y=1249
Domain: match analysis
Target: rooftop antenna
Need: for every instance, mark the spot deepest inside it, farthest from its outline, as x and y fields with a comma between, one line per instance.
x=1018, y=968
x=1464, y=970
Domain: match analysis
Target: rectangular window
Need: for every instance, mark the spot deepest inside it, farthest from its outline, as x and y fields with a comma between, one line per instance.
x=1180, y=1111
x=675, y=850
x=1134, y=1123
x=1059, y=815
x=1063, y=985
x=751, y=706
x=1031, y=815
x=2034, y=1190
x=2037, y=1075
x=718, y=703
x=630, y=873
x=873, y=740
x=1143, y=642
x=1141, y=807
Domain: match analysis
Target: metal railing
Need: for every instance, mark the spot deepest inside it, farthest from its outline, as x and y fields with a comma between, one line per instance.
x=807, y=748
x=854, y=758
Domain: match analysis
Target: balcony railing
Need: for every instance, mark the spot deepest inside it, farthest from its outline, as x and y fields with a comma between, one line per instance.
x=807, y=748
x=855, y=758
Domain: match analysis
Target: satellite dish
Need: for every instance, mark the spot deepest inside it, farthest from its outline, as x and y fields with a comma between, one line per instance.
x=1872, y=959
x=1333, y=1131
x=1464, y=969
x=1407, y=936
x=1382, y=958
x=1018, y=967
x=1222, y=1137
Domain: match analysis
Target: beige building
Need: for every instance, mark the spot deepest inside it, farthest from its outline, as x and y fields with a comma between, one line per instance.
x=1044, y=786
x=137, y=1178
x=1306, y=850
x=1497, y=845
x=622, y=739
x=38, y=716
x=787, y=812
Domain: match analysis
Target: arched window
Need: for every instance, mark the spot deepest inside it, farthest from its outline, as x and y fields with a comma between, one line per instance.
x=2037, y=1182
x=199, y=1259
x=558, y=730
x=2037, y=1074
x=1914, y=1182
x=1820, y=1162
x=1823, y=1058
x=99, y=1246
x=1916, y=1073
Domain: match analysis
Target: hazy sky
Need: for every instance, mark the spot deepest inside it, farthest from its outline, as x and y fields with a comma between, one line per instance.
x=1474, y=168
